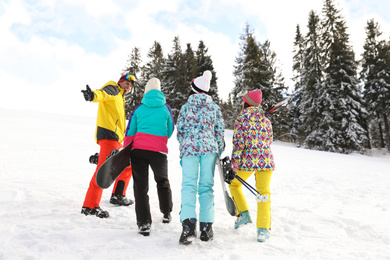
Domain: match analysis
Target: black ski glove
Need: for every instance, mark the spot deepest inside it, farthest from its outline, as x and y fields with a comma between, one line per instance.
x=228, y=172
x=88, y=94
x=94, y=158
x=229, y=176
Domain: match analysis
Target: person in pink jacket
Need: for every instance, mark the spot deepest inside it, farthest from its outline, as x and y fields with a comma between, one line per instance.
x=252, y=138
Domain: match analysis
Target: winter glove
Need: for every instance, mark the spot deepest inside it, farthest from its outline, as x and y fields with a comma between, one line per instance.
x=228, y=172
x=229, y=176
x=94, y=158
x=113, y=152
x=88, y=94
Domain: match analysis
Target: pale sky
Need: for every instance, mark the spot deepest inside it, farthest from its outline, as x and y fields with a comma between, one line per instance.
x=50, y=49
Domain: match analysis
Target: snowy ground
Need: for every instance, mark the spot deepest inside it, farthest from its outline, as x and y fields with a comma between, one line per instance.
x=324, y=205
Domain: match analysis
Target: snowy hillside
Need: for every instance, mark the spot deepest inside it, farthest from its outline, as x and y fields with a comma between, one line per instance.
x=324, y=205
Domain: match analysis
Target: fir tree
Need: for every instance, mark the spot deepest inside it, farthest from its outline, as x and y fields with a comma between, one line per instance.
x=255, y=68
x=247, y=70
x=204, y=62
x=154, y=67
x=133, y=67
x=310, y=105
x=228, y=113
x=190, y=64
x=296, y=133
x=375, y=76
x=340, y=128
x=176, y=87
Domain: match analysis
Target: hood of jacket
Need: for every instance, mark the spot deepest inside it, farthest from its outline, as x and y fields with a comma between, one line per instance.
x=200, y=100
x=253, y=113
x=154, y=98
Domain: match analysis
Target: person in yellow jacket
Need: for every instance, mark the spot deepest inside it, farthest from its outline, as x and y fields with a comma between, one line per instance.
x=110, y=129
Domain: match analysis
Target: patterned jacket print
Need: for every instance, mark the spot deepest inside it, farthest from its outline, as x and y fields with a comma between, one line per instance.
x=200, y=127
x=252, y=138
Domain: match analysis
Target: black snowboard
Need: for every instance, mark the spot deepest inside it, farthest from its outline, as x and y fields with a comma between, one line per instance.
x=231, y=208
x=113, y=167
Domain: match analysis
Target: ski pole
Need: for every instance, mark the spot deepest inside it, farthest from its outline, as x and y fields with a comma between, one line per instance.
x=255, y=192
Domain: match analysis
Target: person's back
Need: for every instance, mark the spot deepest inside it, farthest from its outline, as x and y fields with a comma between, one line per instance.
x=200, y=132
x=252, y=138
x=254, y=148
x=200, y=126
x=150, y=125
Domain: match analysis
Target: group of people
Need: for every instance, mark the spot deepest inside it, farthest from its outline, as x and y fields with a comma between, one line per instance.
x=200, y=132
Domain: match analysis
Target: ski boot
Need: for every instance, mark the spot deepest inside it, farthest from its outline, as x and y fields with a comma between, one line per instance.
x=206, y=231
x=242, y=219
x=167, y=218
x=189, y=231
x=120, y=200
x=98, y=212
x=144, y=229
x=262, y=234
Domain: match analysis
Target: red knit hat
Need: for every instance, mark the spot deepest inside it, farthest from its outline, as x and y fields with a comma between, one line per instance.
x=253, y=98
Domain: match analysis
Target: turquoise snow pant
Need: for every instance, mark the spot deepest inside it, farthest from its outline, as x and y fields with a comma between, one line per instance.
x=198, y=167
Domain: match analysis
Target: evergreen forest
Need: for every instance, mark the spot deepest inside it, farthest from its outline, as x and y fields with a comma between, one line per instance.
x=338, y=103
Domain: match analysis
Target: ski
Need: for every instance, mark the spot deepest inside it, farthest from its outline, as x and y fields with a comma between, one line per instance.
x=278, y=105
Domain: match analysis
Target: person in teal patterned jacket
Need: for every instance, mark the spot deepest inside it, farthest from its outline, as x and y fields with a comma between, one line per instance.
x=252, y=138
x=200, y=131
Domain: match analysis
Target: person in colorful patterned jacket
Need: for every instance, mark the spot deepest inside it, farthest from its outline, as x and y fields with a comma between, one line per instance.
x=110, y=129
x=200, y=131
x=149, y=128
x=252, y=138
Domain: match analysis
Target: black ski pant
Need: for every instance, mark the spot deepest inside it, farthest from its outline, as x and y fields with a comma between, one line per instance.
x=140, y=162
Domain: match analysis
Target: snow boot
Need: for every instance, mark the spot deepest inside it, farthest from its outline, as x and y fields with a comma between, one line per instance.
x=189, y=231
x=206, y=231
x=262, y=234
x=98, y=212
x=144, y=229
x=167, y=218
x=242, y=219
x=120, y=200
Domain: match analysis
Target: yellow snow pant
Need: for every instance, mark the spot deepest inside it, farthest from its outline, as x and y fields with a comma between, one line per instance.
x=263, y=180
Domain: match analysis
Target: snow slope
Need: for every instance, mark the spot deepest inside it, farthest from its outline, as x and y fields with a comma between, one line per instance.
x=324, y=205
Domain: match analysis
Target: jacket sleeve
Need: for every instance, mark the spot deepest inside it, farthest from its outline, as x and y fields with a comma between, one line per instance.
x=108, y=92
x=171, y=123
x=180, y=124
x=238, y=142
x=220, y=132
x=131, y=129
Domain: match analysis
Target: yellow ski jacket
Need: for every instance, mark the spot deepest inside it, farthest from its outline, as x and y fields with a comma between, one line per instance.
x=111, y=119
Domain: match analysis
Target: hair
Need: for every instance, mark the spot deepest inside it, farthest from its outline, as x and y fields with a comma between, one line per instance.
x=190, y=93
x=246, y=105
x=194, y=93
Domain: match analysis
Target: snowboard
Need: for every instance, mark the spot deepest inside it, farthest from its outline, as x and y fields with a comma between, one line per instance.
x=113, y=167
x=231, y=208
